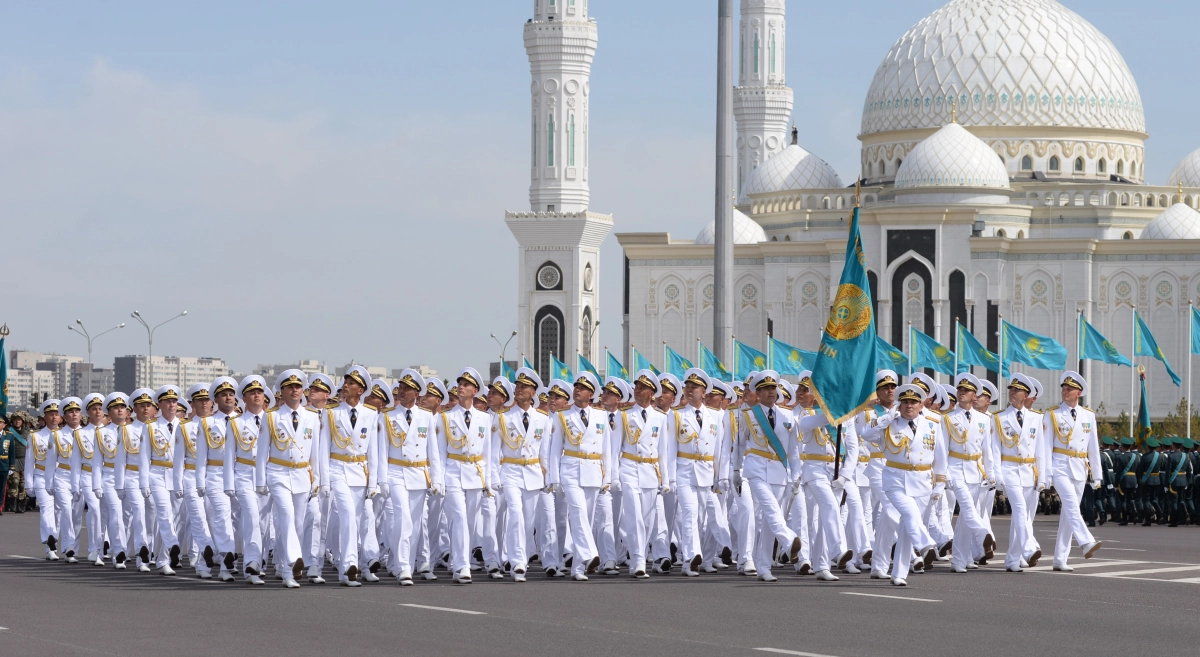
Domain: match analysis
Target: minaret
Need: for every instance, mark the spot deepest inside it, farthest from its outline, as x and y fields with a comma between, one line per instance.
x=559, y=239
x=762, y=102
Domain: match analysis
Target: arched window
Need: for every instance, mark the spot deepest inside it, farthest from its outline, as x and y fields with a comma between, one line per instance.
x=1001, y=233
x=825, y=203
x=1120, y=167
x=1020, y=234
x=548, y=337
x=756, y=52
x=1128, y=235
x=1054, y=163
x=1133, y=169
x=1150, y=201
x=571, y=142
x=882, y=168
x=898, y=163
x=550, y=141
x=1027, y=163
x=1079, y=165
x=1101, y=166
x=587, y=329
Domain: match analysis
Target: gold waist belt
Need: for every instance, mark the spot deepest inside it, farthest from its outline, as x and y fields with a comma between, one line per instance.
x=520, y=461
x=189, y=466
x=64, y=466
x=876, y=455
x=583, y=455
x=295, y=465
x=1070, y=452
x=766, y=455
x=863, y=458
x=824, y=458
x=86, y=467
x=245, y=461
x=215, y=464
x=1017, y=459
x=408, y=464
x=39, y=466
x=164, y=464
x=109, y=465
x=707, y=458
x=639, y=459
x=130, y=466
x=965, y=457
x=910, y=467
x=474, y=458
x=361, y=458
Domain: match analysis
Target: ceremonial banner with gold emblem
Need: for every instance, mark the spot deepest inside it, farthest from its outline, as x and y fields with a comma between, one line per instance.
x=747, y=359
x=844, y=374
x=1095, y=346
x=1021, y=346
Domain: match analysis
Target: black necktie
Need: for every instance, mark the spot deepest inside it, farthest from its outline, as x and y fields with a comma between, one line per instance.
x=912, y=425
x=612, y=421
x=467, y=418
x=643, y=415
x=353, y=417
x=583, y=416
x=295, y=421
x=525, y=420
x=968, y=416
x=171, y=428
x=771, y=416
x=699, y=420
x=1072, y=414
x=408, y=416
x=1019, y=418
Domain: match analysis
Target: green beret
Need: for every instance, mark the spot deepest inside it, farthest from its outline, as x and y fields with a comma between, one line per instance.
x=1151, y=442
x=1127, y=441
x=1188, y=443
x=1107, y=440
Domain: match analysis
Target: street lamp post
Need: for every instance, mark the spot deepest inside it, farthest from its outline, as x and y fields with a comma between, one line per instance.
x=589, y=332
x=150, y=337
x=503, y=347
x=82, y=330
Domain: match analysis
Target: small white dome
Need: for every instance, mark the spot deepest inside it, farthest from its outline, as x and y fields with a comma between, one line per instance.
x=1178, y=222
x=952, y=157
x=1188, y=171
x=791, y=169
x=745, y=231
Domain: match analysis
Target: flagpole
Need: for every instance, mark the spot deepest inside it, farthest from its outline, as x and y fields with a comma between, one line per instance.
x=1191, y=331
x=666, y=366
x=912, y=348
x=957, y=346
x=1003, y=389
x=1133, y=355
x=770, y=352
x=1079, y=340
x=606, y=374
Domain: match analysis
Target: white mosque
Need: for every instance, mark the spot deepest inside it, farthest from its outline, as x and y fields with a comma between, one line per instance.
x=1002, y=176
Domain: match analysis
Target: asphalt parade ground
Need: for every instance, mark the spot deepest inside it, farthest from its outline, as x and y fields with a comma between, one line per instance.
x=1141, y=593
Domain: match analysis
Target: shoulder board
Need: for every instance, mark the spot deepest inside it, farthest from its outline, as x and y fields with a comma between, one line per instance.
x=542, y=412
x=236, y=414
x=1085, y=408
x=311, y=409
x=332, y=404
x=712, y=408
x=272, y=409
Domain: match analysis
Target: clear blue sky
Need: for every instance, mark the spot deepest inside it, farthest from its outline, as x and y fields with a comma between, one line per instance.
x=328, y=180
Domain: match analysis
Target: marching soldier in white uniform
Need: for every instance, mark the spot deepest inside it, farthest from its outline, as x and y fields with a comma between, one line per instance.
x=869, y=425
x=639, y=441
x=605, y=525
x=212, y=434
x=913, y=448
x=697, y=439
x=741, y=508
x=760, y=467
x=520, y=447
x=86, y=478
x=241, y=453
x=284, y=469
x=107, y=445
x=580, y=464
x=1072, y=432
x=406, y=439
x=349, y=442
x=60, y=477
x=972, y=464
x=464, y=448
x=132, y=466
x=1024, y=467
x=819, y=456
x=161, y=476
x=41, y=462
x=187, y=450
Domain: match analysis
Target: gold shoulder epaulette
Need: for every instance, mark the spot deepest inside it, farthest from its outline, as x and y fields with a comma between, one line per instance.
x=310, y=408
x=546, y=413
x=272, y=409
x=332, y=404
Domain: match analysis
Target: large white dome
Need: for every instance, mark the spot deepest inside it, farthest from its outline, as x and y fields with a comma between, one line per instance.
x=1007, y=63
x=1178, y=222
x=791, y=169
x=1187, y=172
x=952, y=157
x=745, y=231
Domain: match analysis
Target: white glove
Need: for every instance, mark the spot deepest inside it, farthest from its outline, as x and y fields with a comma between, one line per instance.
x=616, y=485
x=938, y=489
x=262, y=490
x=550, y=488
x=385, y=489
x=230, y=493
x=323, y=490
x=121, y=494
x=796, y=487
x=724, y=485
x=737, y=479
x=998, y=485
x=1096, y=486
x=200, y=492
x=1041, y=486
x=97, y=492
x=179, y=495
x=146, y=493
x=494, y=486
x=664, y=489
x=435, y=491
x=1110, y=486
x=372, y=492
x=605, y=488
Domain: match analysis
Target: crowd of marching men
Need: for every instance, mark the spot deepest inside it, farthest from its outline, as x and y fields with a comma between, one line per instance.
x=581, y=477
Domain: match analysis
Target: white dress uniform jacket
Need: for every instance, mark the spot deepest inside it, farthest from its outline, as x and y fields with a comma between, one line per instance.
x=287, y=456
x=409, y=446
x=1074, y=441
x=519, y=454
x=698, y=441
x=465, y=453
x=579, y=452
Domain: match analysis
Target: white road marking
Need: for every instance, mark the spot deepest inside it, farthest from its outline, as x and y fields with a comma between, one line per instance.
x=1091, y=563
x=791, y=652
x=1124, y=549
x=457, y=611
x=21, y=556
x=893, y=597
x=1189, y=580
x=1150, y=571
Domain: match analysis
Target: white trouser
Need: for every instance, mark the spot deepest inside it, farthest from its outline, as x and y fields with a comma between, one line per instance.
x=64, y=504
x=313, y=538
x=857, y=526
x=195, y=520
x=603, y=528
x=485, y=534
x=912, y=534
x=741, y=512
x=95, y=531
x=520, y=517
x=637, y=514
x=462, y=508
x=770, y=521
x=347, y=507
x=435, y=541
x=620, y=543
x=48, y=522
x=291, y=517
x=714, y=525
x=134, y=508
x=1022, y=499
x=887, y=524
x=970, y=529
x=1070, y=520
x=220, y=514
x=113, y=520
x=828, y=540
x=408, y=509
x=798, y=519
x=547, y=530
x=368, y=533
x=561, y=529
x=248, y=527
x=580, y=503
x=161, y=498
x=937, y=517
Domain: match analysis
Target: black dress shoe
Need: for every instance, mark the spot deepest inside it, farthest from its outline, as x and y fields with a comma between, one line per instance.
x=174, y=552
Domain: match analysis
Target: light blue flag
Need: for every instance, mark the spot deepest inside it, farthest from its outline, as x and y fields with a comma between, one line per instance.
x=888, y=357
x=1145, y=345
x=971, y=352
x=528, y=364
x=507, y=371
x=1021, y=346
x=561, y=370
x=844, y=372
x=747, y=359
x=675, y=363
x=615, y=368
x=1195, y=333
x=712, y=366
x=640, y=363
x=789, y=360
x=1097, y=347
x=928, y=352
x=585, y=365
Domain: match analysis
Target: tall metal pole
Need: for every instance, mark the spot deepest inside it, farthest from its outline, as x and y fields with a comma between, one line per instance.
x=723, y=261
